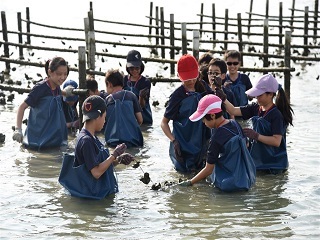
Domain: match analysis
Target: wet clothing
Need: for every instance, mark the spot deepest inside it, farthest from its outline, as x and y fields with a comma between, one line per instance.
x=192, y=136
x=239, y=87
x=76, y=175
x=234, y=167
x=70, y=112
x=268, y=123
x=231, y=98
x=46, y=122
x=121, y=123
x=136, y=87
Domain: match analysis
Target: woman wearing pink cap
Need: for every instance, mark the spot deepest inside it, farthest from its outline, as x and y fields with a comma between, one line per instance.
x=188, y=139
x=228, y=160
x=270, y=121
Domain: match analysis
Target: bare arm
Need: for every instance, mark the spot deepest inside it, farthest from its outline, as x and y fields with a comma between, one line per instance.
x=166, y=129
x=142, y=101
x=139, y=117
x=232, y=110
x=205, y=172
x=97, y=171
x=20, y=114
x=274, y=140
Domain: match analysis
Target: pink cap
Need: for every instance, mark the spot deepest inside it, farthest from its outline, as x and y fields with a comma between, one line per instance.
x=208, y=104
x=187, y=67
x=267, y=83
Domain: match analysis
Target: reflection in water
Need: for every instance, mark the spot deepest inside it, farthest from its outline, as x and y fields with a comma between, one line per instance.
x=204, y=211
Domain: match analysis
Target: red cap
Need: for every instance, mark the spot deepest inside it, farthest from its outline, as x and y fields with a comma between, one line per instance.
x=187, y=67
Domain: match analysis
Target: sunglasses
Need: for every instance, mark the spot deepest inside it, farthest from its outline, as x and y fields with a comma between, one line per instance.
x=232, y=63
x=134, y=68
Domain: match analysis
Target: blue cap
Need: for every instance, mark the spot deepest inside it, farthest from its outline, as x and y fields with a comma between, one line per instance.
x=73, y=98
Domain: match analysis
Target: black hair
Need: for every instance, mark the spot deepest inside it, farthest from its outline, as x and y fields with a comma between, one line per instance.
x=218, y=114
x=91, y=84
x=203, y=70
x=232, y=54
x=220, y=64
x=205, y=58
x=115, y=77
x=53, y=64
x=284, y=106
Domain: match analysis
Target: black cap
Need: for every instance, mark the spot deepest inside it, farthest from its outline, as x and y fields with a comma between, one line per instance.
x=134, y=59
x=93, y=107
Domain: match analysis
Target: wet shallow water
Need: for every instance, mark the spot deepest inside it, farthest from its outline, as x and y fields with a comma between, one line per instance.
x=34, y=205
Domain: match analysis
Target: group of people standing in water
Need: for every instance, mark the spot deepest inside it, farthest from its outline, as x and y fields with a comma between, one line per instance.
x=206, y=139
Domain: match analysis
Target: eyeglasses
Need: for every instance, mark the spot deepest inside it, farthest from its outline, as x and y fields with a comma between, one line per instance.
x=214, y=73
x=134, y=68
x=232, y=63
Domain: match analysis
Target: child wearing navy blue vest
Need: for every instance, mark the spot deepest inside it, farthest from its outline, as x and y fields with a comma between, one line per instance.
x=228, y=163
x=89, y=173
x=46, y=122
x=270, y=121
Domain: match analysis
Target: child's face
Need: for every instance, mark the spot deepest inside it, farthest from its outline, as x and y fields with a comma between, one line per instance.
x=58, y=76
x=233, y=65
x=100, y=121
x=214, y=71
x=135, y=71
x=189, y=85
x=209, y=123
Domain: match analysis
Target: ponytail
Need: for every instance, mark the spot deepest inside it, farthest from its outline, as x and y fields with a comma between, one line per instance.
x=284, y=106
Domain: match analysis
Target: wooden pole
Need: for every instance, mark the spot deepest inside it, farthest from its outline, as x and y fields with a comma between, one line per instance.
x=305, y=38
x=267, y=9
x=172, y=65
x=184, y=38
x=287, y=54
x=196, y=43
x=249, y=20
x=226, y=19
x=280, y=26
x=28, y=25
x=240, y=45
x=157, y=25
x=86, y=30
x=150, y=19
x=214, y=24
x=292, y=14
x=265, y=43
x=91, y=42
x=5, y=38
x=82, y=78
x=163, y=50
x=90, y=6
x=20, y=35
x=201, y=19
x=315, y=17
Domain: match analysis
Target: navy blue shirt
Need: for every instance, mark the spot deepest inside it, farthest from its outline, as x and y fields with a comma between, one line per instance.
x=86, y=151
x=245, y=80
x=274, y=117
x=40, y=90
x=218, y=138
x=142, y=83
x=173, y=104
x=130, y=96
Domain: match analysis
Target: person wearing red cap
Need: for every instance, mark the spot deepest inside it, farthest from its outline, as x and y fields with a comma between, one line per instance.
x=188, y=140
x=228, y=159
x=270, y=121
x=138, y=84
